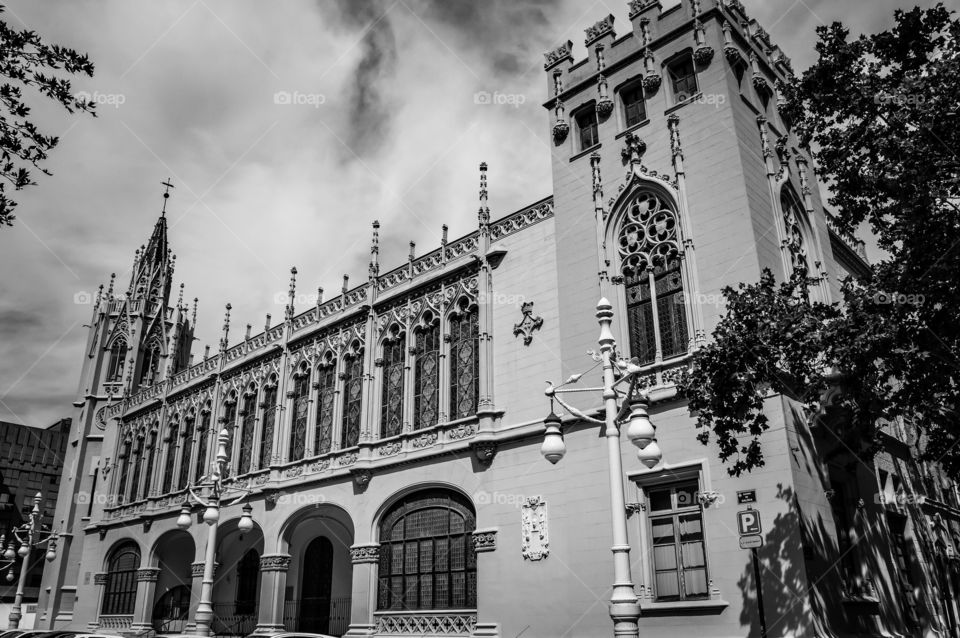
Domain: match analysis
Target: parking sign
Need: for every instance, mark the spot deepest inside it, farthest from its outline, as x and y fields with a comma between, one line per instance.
x=748, y=521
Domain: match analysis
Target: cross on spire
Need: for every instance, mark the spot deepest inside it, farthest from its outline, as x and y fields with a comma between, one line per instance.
x=166, y=194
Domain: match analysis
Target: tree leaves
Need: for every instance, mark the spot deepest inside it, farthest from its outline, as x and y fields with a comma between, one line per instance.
x=26, y=61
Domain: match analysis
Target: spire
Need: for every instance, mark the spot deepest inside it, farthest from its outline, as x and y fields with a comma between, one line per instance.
x=113, y=278
x=375, y=251
x=226, y=329
x=180, y=298
x=292, y=293
x=166, y=195
x=483, y=214
x=193, y=315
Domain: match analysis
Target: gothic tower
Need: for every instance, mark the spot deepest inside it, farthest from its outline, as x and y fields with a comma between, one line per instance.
x=135, y=340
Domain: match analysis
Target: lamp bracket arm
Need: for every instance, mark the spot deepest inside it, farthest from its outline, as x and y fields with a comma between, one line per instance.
x=578, y=413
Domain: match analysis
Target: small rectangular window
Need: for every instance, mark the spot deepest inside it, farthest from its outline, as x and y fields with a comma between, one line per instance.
x=683, y=78
x=587, y=126
x=634, y=109
x=676, y=533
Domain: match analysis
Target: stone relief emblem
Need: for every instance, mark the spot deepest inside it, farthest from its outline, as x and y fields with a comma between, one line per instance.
x=535, y=544
x=528, y=324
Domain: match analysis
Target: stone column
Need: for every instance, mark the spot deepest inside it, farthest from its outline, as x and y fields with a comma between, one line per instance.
x=364, y=558
x=196, y=584
x=273, y=587
x=143, y=608
x=482, y=542
x=100, y=580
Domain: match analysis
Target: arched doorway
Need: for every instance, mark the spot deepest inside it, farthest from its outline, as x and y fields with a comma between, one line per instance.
x=316, y=584
x=236, y=584
x=173, y=554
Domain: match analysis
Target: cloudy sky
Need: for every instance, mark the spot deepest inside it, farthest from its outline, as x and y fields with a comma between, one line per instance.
x=381, y=124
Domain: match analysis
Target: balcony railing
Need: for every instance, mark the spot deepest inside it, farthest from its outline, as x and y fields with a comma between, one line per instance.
x=115, y=622
x=231, y=619
x=458, y=622
x=317, y=615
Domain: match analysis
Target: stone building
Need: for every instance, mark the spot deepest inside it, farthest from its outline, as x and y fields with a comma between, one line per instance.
x=388, y=438
x=31, y=463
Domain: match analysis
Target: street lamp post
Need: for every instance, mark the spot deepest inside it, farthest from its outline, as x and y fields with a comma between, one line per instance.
x=624, y=608
x=211, y=516
x=28, y=535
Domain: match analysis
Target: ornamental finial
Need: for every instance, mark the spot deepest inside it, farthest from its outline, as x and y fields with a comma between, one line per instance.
x=226, y=329
x=483, y=214
x=292, y=293
x=375, y=250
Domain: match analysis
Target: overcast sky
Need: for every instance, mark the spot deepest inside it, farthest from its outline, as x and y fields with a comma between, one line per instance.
x=382, y=124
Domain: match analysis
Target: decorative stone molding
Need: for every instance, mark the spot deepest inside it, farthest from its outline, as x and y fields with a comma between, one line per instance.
x=485, y=451
x=390, y=449
x=651, y=81
x=320, y=466
x=639, y=6
x=560, y=130
x=535, y=543
x=558, y=55
x=424, y=440
x=348, y=459
x=196, y=569
x=296, y=470
x=462, y=431
x=527, y=324
x=148, y=574
x=703, y=55
x=274, y=562
x=426, y=624
x=361, y=478
x=365, y=554
x=100, y=578
x=599, y=29
x=484, y=540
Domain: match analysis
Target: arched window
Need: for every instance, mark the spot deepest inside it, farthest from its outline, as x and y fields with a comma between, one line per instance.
x=124, y=463
x=118, y=352
x=151, y=458
x=298, y=430
x=649, y=250
x=326, y=393
x=464, y=362
x=248, y=581
x=352, y=398
x=186, y=447
x=248, y=421
x=121, y=591
x=203, y=436
x=137, y=464
x=795, y=222
x=391, y=398
x=269, y=419
x=149, y=372
x=426, y=382
x=173, y=441
x=426, y=561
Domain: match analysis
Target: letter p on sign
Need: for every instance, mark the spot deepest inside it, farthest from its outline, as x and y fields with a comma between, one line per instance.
x=748, y=521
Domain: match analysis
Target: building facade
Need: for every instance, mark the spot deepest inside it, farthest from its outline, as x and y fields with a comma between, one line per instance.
x=31, y=463
x=388, y=439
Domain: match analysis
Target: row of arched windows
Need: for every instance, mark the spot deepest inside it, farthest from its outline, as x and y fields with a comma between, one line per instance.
x=320, y=398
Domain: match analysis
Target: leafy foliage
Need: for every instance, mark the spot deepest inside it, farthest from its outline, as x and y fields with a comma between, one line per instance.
x=881, y=113
x=26, y=61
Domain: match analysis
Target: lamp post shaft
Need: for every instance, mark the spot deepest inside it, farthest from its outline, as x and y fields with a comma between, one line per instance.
x=16, y=612
x=624, y=608
x=204, y=615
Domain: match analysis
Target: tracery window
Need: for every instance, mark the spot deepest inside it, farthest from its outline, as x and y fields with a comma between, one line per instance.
x=391, y=408
x=149, y=373
x=137, y=461
x=426, y=389
x=173, y=441
x=124, y=471
x=794, y=218
x=352, y=398
x=186, y=448
x=151, y=458
x=298, y=431
x=118, y=351
x=120, y=594
x=464, y=362
x=649, y=250
x=203, y=436
x=269, y=420
x=426, y=561
x=248, y=420
x=326, y=393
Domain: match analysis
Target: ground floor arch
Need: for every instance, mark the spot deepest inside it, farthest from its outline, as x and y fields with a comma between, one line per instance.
x=172, y=557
